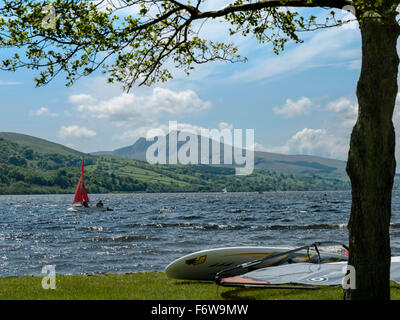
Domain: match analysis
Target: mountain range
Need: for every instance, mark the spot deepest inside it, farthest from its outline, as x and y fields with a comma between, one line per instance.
x=33, y=165
x=304, y=164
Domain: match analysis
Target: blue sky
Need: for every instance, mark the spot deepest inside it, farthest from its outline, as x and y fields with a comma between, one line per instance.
x=300, y=102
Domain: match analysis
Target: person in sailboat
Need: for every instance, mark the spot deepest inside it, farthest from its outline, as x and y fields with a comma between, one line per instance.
x=85, y=204
x=100, y=204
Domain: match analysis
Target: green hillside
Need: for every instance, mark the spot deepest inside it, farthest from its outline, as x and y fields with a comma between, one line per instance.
x=40, y=146
x=31, y=165
x=294, y=164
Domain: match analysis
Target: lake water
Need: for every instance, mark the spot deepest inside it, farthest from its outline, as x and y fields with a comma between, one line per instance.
x=147, y=231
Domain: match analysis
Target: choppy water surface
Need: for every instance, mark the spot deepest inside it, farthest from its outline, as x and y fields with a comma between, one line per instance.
x=147, y=231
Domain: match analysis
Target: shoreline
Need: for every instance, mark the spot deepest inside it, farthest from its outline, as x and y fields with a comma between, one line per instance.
x=173, y=192
x=89, y=274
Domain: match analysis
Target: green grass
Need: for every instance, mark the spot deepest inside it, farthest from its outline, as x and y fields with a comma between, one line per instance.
x=151, y=286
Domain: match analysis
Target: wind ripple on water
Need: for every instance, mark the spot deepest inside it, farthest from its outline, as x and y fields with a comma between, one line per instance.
x=148, y=231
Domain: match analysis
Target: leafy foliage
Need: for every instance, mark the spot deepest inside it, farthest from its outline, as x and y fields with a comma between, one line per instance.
x=80, y=37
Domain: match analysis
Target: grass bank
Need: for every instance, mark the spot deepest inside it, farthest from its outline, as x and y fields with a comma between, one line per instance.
x=151, y=286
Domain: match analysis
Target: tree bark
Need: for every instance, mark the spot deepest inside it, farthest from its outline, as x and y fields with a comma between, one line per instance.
x=371, y=161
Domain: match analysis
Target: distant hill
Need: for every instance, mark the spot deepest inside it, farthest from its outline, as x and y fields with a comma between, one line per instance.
x=21, y=149
x=137, y=151
x=297, y=163
x=39, y=145
x=262, y=160
x=32, y=165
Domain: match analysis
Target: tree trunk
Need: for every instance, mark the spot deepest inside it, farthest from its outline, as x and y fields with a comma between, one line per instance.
x=371, y=162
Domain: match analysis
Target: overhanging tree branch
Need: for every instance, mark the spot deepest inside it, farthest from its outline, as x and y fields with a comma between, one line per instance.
x=139, y=45
x=335, y=4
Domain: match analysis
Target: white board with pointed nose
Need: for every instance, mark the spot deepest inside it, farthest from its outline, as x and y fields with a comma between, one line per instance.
x=205, y=264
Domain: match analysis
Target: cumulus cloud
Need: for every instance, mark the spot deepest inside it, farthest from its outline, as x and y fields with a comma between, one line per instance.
x=333, y=141
x=225, y=125
x=75, y=131
x=135, y=114
x=314, y=142
x=81, y=98
x=45, y=112
x=260, y=147
x=294, y=108
x=344, y=107
x=397, y=108
x=147, y=131
x=130, y=109
x=157, y=129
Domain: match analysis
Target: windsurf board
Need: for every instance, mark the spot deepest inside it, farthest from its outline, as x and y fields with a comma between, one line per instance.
x=205, y=264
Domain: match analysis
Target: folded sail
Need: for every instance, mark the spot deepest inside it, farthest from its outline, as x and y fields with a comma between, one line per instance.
x=80, y=193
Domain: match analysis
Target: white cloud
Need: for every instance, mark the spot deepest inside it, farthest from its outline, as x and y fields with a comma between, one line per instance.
x=259, y=147
x=132, y=110
x=347, y=112
x=75, y=131
x=397, y=106
x=344, y=107
x=294, y=108
x=137, y=113
x=10, y=83
x=133, y=135
x=81, y=98
x=396, y=123
x=45, y=112
x=185, y=127
x=334, y=140
x=327, y=46
x=354, y=65
x=314, y=142
x=225, y=125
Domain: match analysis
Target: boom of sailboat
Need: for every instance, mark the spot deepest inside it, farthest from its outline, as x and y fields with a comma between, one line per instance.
x=81, y=199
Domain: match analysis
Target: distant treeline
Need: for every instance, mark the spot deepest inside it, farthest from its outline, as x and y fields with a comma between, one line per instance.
x=26, y=171
x=25, y=180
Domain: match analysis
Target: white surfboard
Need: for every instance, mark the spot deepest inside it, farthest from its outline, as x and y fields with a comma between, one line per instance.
x=205, y=264
x=301, y=273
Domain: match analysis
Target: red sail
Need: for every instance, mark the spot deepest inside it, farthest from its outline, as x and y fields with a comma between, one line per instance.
x=80, y=193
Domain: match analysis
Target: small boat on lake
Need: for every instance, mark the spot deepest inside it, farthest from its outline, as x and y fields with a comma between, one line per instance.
x=81, y=199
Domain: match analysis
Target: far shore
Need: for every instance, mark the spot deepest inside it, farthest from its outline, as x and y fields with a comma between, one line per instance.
x=174, y=192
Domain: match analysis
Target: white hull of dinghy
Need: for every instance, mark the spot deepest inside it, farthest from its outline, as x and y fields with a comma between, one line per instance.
x=88, y=209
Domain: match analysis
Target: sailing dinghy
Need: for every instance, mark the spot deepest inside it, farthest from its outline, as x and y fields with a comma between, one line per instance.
x=81, y=199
